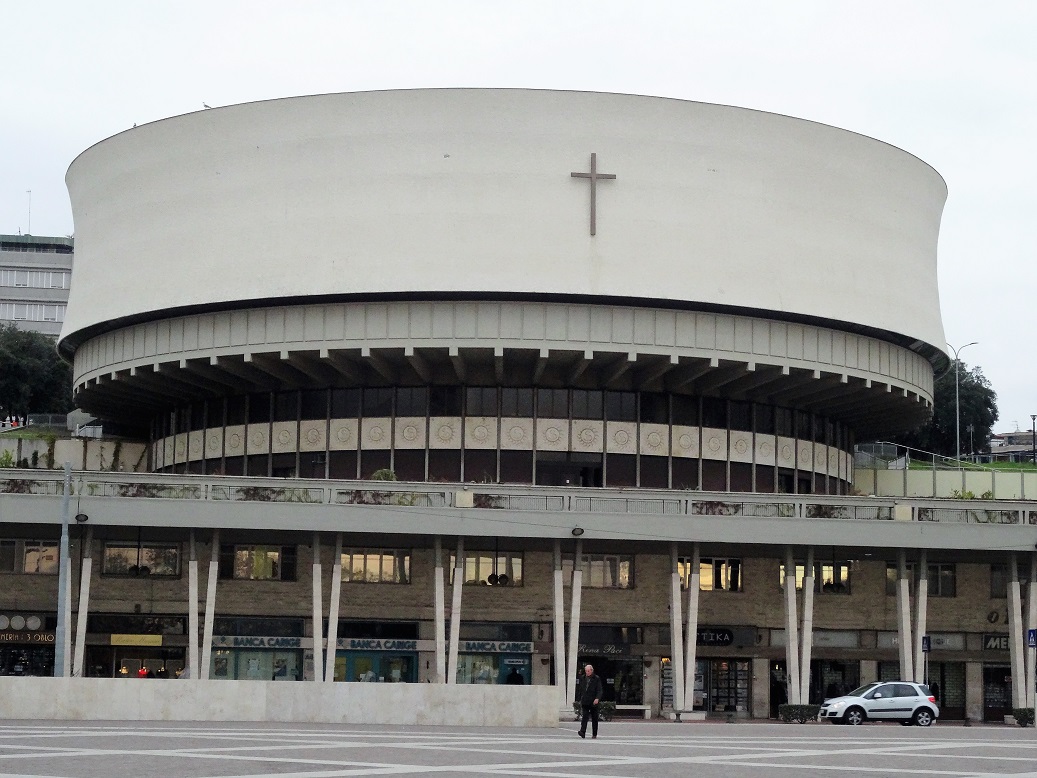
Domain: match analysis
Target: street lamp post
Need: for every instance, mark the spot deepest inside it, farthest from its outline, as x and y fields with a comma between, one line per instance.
x=957, y=402
x=1033, y=431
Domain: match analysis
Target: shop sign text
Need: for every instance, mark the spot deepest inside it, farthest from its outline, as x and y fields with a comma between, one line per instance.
x=26, y=637
x=995, y=642
x=495, y=647
x=709, y=636
x=361, y=644
x=605, y=649
x=245, y=641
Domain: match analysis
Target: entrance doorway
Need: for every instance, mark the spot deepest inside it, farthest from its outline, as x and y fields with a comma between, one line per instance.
x=623, y=678
x=997, y=692
x=947, y=683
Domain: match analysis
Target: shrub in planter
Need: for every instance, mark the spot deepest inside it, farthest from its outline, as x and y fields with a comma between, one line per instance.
x=1023, y=716
x=798, y=713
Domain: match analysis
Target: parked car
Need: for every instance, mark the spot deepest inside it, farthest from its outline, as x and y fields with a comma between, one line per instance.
x=903, y=701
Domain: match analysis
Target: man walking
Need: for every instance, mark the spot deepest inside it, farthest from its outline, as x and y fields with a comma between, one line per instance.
x=589, y=700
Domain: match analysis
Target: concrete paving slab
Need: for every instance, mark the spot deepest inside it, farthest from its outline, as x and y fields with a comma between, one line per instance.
x=623, y=750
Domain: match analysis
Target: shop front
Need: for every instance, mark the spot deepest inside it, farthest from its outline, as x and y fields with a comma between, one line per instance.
x=256, y=658
x=828, y=678
x=26, y=644
x=621, y=668
x=135, y=646
x=390, y=660
x=493, y=662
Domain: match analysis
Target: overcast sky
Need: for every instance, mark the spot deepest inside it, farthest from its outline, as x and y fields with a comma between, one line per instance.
x=954, y=83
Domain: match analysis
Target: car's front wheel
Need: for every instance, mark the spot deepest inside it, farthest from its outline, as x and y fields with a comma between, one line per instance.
x=854, y=716
x=923, y=717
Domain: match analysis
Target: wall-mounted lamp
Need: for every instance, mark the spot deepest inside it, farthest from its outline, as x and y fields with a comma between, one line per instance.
x=81, y=517
x=577, y=531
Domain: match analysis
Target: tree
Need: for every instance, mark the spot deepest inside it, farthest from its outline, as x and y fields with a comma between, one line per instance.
x=33, y=378
x=978, y=402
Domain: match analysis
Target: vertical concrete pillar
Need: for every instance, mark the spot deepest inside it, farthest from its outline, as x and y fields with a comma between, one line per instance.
x=791, y=630
x=676, y=630
x=806, y=635
x=904, y=616
x=192, y=608
x=1031, y=624
x=974, y=691
x=455, y=613
x=440, y=605
x=574, y=622
x=1015, y=634
x=559, y=626
x=210, y=607
x=761, y=703
x=317, y=612
x=84, y=604
x=869, y=670
x=921, y=608
x=691, y=627
x=333, y=609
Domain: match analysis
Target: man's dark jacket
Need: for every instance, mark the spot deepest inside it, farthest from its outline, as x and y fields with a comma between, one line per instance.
x=592, y=690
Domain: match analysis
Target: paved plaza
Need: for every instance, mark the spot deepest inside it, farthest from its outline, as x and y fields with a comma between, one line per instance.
x=141, y=750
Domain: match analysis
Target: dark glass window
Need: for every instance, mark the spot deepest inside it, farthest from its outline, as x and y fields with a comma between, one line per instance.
x=740, y=416
x=411, y=401
x=764, y=419
x=655, y=408
x=552, y=403
x=621, y=406
x=244, y=625
x=517, y=403
x=236, y=410
x=197, y=416
x=396, y=630
x=378, y=403
x=685, y=410
x=998, y=582
x=586, y=404
x=714, y=413
x=345, y=403
x=214, y=413
x=445, y=401
x=314, y=404
x=829, y=433
x=183, y=419
x=286, y=406
x=481, y=401
x=783, y=422
x=258, y=408
x=492, y=631
x=804, y=430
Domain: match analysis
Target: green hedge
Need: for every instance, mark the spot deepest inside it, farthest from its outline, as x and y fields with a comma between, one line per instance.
x=1023, y=716
x=799, y=713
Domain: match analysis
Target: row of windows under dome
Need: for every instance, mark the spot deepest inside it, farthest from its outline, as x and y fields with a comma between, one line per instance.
x=509, y=402
x=824, y=469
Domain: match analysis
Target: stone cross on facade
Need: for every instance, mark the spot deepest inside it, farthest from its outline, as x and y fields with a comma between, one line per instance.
x=593, y=177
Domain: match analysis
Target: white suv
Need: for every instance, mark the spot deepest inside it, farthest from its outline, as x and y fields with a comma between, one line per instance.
x=908, y=703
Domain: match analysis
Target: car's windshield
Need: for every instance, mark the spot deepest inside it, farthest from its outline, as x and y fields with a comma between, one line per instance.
x=860, y=692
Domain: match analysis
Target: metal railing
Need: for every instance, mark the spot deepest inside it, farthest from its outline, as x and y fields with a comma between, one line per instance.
x=419, y=495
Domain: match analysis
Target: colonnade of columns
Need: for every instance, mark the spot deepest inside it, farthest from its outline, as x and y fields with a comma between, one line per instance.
x=684, y=607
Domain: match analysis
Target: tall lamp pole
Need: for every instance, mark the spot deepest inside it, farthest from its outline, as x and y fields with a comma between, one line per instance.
x=957, y=402
x=1033, y=431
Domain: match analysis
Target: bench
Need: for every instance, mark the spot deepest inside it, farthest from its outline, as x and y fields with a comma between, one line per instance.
x=647, y=709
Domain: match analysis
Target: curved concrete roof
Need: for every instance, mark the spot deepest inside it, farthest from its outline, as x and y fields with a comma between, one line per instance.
x=469, y=192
